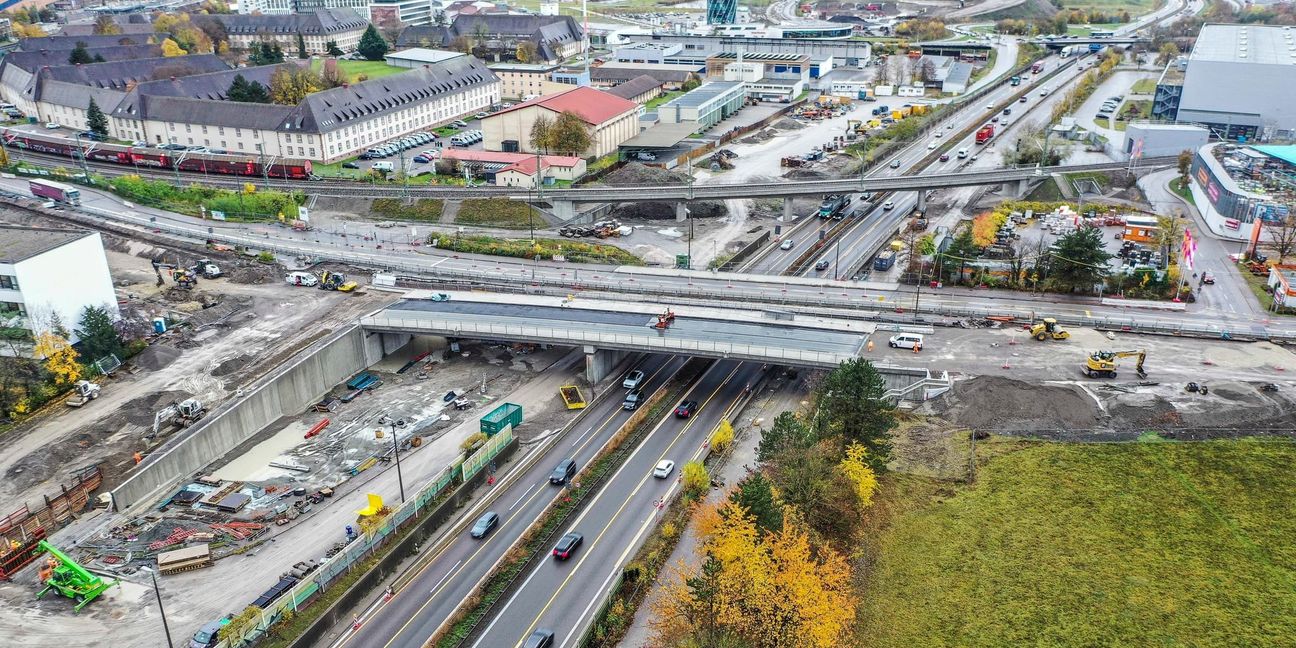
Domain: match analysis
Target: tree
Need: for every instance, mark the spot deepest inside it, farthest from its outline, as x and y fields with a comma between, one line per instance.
x=856, y=469
x=696, y=481
x=461, y=43
x=927, y=71
x=569, y=135
x=98, y=58
x=755, y=494
x=690, y=83
x=1170, y=230
x=247, y=91
x=953, y=261
x=333, y=49
x=526, y=51
x=214, y=29
x=372, y=46
x=96, y=121
x=28, y=31
x=723, y=436
x=59, y=356
x=331, y=76
x=1167, y=53
x=541, y=132
x=98, y=333
x=1282, y=235
x=787, y=433
x=266, y=54
x=1184, y=162
x=853, y=406
x=171, y=48
x=301, y=47
x=1079, y=260
x=480, y=32
x=104, y=25
x=79, y=55
x=289, y=85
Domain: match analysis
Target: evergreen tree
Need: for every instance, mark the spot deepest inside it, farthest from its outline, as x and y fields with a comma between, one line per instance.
x=1079, y=260
x=79, y=54
x=247, y=91
x=301, y=47
x=372, y=46
x=852, y=405
x=333, y=49
x=96, y=120
x=98, y=58
x=756, y=494
x=98, y=333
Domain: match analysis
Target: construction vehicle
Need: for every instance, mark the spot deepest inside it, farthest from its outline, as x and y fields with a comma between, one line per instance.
x=206, y=269
x=184, y=278
x=86, y=391
x=1048, y=328
x=833, y=205
x=336, y=281
x=182, y=413
x=1102, y=364
x=64, y=575
x=665, y=320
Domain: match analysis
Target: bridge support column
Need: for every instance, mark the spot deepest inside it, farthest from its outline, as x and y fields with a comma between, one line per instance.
x=922, y=200
x=788, y=214
x=681, y=212
x=563, y=210
x=393, y=342
x=1023, y=187
x=601, y=362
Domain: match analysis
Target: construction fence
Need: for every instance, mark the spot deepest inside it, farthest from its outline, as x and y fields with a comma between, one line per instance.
x=24, y=524
x=368, y=544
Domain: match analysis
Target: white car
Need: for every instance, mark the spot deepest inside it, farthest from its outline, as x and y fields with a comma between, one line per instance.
x=888, y=205
x=931, y=145
x=989, y=106
x=633, y=379
x=939, y=134
x=787, y=245
x=1044, y=91
x=53, y=125
x=664, y=469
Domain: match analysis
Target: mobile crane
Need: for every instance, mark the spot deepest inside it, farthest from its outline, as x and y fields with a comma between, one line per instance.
x=1102, y=364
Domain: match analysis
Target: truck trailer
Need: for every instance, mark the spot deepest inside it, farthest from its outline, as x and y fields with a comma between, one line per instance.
x=56, y=191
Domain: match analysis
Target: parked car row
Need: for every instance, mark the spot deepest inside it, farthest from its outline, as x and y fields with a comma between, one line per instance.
x=403, y=144
x=466, y=138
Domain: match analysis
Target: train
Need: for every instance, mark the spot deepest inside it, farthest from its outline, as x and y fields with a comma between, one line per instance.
x=234, y=164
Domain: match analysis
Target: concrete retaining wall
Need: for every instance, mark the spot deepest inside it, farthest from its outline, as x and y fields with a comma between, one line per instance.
x=286, y=392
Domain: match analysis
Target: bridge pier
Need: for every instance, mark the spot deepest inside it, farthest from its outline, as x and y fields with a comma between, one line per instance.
x=392, y=342
x=788, y=214
x=1023, y=187
x=681, y=212
x=601, y=362
x=922, y=200
x=563, y=210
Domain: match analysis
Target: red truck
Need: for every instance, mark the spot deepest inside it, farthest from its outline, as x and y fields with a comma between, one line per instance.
x=55, y=191
x=984, y=135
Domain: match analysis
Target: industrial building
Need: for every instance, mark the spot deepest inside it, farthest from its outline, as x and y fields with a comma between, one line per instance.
x=47, y=273
x=696, y=49
x=1156, y=139
x=1236, y=187
x=765, y=77
x=419, y=56
x=708, y=104
x=611, y=120
x=1237, y=81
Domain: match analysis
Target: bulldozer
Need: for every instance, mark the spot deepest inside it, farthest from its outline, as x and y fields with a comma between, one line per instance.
x=1048, y=328
x=336, y=281
x=1102, y=364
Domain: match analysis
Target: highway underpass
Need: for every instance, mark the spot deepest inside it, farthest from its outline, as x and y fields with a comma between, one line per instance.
x=609, y=330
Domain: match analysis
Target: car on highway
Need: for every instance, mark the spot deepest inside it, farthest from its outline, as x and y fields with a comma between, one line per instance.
x=567, y=545
x=563, y=471
x=1208, y=278
x=633, y=400
x=664, y=468
x=1023, y=99
x=686, y=409
x=1007, y=111
x=53, y=125
x=1044, y=91
x=888, y=205
x=484, y=524
x=962, y=153
x=944, y=157
x=542, y=638
x=939, y=134
x=895, y=164
x=989, y=106
x=822, y=265
x=633, y=379
x=932, y=144
x=787, y=245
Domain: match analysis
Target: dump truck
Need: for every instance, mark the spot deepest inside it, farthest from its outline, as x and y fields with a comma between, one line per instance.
x=884, y=260
x=833, y=206
x=984, y=134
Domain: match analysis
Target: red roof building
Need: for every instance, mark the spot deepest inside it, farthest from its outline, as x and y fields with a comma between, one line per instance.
x=611, y=120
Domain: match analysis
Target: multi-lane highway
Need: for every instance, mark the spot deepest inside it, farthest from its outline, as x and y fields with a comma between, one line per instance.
x=562, y=596
x=452, y=574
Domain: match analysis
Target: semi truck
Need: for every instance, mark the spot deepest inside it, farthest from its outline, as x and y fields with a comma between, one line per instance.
x=1037, y=67
x=833, y=206
x=56, y=191
x=984, y=134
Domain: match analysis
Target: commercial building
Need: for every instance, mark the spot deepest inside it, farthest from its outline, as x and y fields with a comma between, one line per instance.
x=850, y=53
x=342, y=27
x=708, y=104
x=640, y=89
x=419, y=56
x=804, y=30
x=403, y=12
x=1156, y=139
x=47, y=272
x=330, y=125
x=646, y=52
x=496, y=37
x=1237, y=81
x=614, y=73
x=1282, y=285
x=611, y=120
x=765, y=76
x=1236, y=188
x=286, y=7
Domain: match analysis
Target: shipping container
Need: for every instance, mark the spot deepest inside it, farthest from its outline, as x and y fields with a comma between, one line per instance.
x=508, y=414
x=56, y=191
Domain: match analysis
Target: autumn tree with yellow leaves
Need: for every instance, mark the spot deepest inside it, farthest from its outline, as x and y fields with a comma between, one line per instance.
x=766, y=590
x=60, y=358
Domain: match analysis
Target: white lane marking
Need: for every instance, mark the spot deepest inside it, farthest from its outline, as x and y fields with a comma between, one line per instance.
x=519, y=500
x=437, y=585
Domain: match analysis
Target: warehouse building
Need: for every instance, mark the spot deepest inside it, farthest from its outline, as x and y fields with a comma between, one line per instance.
x=707, y=105
x=611, y=120
x=1237, y=81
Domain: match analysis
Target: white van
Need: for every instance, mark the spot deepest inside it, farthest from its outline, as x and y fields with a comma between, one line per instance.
x=906, y=341
x=301, y=279
x=382, y=166
x=963, y=152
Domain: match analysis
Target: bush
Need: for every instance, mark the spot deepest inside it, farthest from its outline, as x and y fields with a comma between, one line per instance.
x=245, y=205
x=723, y=437
x=574, y=251
x=473, y=442
x=265, y=257
x=696, y=480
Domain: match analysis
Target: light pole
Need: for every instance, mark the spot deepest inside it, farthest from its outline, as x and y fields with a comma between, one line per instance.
x=157, y=592
x=81, y=152
x=400, y=479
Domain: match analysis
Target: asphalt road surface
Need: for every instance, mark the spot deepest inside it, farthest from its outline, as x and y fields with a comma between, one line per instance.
x=453, y=574
x=563, y=595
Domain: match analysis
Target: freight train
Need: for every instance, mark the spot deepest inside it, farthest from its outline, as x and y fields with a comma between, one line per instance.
x=141, y=156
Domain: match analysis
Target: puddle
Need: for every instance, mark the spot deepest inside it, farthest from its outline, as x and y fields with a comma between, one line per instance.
x=254, y=465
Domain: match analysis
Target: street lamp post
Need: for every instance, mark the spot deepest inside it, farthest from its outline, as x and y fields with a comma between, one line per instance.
x=158, y=593
x=400, y=479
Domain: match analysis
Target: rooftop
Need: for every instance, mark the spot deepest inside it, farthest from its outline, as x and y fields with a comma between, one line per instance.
x=760, y=57
x=1285, y=153
x=423, y=55
x=501, y=157
x=320, y=21
x=22, y=242
x=635, y=87
x=1245, y=44
x=706, y=92
x=592, y=105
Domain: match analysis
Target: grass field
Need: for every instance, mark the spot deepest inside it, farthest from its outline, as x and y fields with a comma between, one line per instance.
x=353, y=69
x=1143, y=86
x=497, y=212
x=1142, y=544
x=1183, y=191
x=1135, y=7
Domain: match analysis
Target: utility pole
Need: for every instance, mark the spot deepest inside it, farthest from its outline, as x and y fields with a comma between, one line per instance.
x=404, y=176
x=81, y=153
x=157, y=592
x=396, y=450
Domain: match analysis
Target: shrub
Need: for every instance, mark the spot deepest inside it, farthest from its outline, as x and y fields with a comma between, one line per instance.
x=723, y=437
x=696, y=480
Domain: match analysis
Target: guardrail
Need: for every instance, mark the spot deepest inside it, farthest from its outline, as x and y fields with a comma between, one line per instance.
x=567, y=336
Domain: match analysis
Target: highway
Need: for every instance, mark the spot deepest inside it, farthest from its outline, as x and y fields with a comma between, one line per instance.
x=562, y=596
x=452, y=574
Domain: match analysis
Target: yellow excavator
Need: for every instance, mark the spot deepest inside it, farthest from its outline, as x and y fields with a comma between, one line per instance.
x=1048, y=328
x=1102, y=364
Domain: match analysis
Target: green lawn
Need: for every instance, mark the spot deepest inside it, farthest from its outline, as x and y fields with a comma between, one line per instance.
x=426, y=210
x=497, y=212
x=1143, y=86
x=1183, y=191
x=1136, y=544
x=652, y=105
x=353, y=69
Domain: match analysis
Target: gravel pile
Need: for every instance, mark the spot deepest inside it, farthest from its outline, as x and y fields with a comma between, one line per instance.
x=637, y=174
x=996, y=404
x=156, y=357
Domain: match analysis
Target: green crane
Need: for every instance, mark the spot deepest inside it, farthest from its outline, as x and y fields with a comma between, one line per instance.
x=70, y=579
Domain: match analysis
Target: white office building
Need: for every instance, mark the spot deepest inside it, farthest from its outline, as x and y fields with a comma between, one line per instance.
x=47, y=273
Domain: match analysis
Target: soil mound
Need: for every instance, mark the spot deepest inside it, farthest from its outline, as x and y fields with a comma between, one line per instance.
x=997, y=404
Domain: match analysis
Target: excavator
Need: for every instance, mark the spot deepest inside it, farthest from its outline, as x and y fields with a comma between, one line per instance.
x=1048, y=328
x=336, y=281
x=1102, y=364
x=182, y=413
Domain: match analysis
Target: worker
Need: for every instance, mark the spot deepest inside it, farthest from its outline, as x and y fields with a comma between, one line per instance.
x=490, y=480
x=917, y=347
x=870, y=346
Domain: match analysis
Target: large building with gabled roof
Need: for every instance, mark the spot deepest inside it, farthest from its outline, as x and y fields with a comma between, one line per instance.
x=610, y=119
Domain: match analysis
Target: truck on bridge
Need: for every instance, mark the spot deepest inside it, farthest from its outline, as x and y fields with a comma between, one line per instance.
x=834, y=206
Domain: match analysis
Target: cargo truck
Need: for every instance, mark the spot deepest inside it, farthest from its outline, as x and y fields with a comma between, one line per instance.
x=1016, y=81
x=833, y=206
x=55, y=191
x=984, y=134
